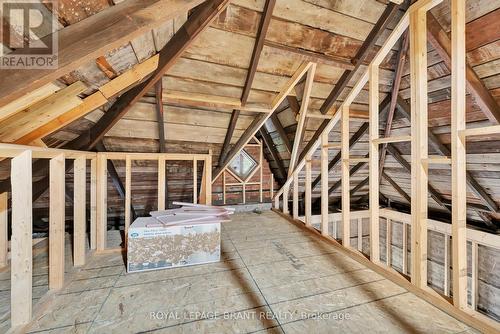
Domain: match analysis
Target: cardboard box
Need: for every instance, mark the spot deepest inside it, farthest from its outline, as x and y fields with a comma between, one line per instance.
x=152, y=245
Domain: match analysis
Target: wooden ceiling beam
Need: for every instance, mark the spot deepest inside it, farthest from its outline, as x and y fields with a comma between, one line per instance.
x=195, y=24
x=386, y=17
x=442, y=44
x=254, y=61
x=109, y=29
x=301, y=122
x=320, y=58
x=185, y=36
x=401, y=58
x=389, y=12
x=257, y=123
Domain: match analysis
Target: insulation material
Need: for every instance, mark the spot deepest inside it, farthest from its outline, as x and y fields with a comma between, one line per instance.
x=175, y=238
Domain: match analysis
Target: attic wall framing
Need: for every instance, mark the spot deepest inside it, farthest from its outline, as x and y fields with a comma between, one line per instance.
x=415, y=21
x=22, y=220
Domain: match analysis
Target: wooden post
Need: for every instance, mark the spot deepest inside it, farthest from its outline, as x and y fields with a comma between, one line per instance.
x=21, y=249
x=360, y=234
x=271, y=186
x=374, y=165
x=208, y=178
x=261, y=171
x=296, y=195
x=474, y=273
x=388, y=242
x=101, y=202
x=57, y=208
x=446, y=265
x=286, y=189
x=346, y=200
x=195, y=181
x=79, y=207
x=128, y=196
x=405, y=249
x=93, y=204
x=4, y=240
x=458, y=156
x=419, y=180
x=244, y=192
x=324, y=183
x=161, y=183
x=277, y=205
x=308, y=192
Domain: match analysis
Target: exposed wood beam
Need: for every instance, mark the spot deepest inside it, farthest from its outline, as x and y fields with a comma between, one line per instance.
x=261, y=119
x=107, y=30
x=211, y=101
x=361, y=55
x=442, y=44
x=396, y=187
x=316, y=57
x=265, y=20
x=115, y=178
x=55, y=121
x=294, y=104
x=436, y=196
x=301, y=123
x=401, y=58
x=459, y=158
x=268, y=141
x=480, y=192
x=159, y=115
x=354, y=139
x=229, y=135
x=182, y=39
x=281, y=132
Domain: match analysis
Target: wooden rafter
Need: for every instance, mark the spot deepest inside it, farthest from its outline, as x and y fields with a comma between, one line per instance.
x=268, y=141
x=257, y=50
x=301, y=123
x=398, y=74
x=439, y=39
x=361, y=55
x=354, y=139
x=196, y=23
x=281, y=132
x=107, y=30
x=404, y=108
x=64, y=116
x=261, y=119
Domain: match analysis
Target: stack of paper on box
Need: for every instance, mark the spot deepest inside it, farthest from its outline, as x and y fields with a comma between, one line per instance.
x=178, y=237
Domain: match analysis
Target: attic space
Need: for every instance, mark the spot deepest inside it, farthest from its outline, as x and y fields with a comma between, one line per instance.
x=250, y=166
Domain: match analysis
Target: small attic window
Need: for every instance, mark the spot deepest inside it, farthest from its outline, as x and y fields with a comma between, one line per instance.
x=242, y=165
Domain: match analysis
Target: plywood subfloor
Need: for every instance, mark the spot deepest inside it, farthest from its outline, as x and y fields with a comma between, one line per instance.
x=273, y=278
